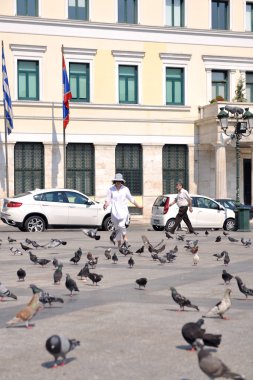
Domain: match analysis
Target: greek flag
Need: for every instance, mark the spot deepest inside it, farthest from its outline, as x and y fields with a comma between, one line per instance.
x=6, y=96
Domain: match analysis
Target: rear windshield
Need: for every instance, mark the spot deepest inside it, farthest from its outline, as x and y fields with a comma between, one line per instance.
x=160, y=201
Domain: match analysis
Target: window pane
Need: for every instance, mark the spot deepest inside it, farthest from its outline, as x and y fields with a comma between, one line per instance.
x=249, y=17
x=127, y=11
x=169, y=12
x=220, y=14
x=177, y=12
x=21, y=7
x=32, y=7
x=122, y=90
x=32, y=86
x=82, y=88
x=175, y=167
x=73, y=86
x=21, y=86
x=178, y=92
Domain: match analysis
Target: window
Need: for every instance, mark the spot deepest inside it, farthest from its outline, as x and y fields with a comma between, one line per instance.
x=28, y=166
x=127, y=11
x=249, y=17
x=174, y=85
x=220, y=14
x=79, y=77
x=78, y=9
x=28, y=80
x=128, y=161
x=249, y=87
x=175, y=12
x=128, y=84
x=219, y=84
x=80, y=171
x=27, y=7
x=175, y=167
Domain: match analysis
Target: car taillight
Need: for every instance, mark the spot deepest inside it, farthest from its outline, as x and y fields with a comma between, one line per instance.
x=166, y=206
x=14, y=204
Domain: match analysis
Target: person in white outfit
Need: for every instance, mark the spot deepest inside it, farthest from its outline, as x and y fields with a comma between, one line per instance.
x=117, y=196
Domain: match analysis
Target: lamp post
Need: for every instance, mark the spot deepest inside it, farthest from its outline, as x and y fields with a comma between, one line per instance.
x=242, y=124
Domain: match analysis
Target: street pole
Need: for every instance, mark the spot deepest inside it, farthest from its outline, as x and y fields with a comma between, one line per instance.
x=237, y=199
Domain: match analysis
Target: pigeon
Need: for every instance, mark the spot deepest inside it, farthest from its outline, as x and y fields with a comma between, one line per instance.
x=33, y=257
x=84, y=272
x=114, y=258
x=206, y=233
x=221, y=307
x=71, y=285
x=225, y=233
x=55, y=243
x=125, y=250
x=140, y=250
x=21, y=273
x=92, y=263
x=46, y=298
x=95, y=278
x=108, y=253
x=195, y=258
x=247, y=243
x=168, y=235
x=212, y=366
x=191, y=244
x=89, y=256
x=162, y=260
x=77, y=256
x=181, y=300
x=180, y=237
x=152, y=248
x=226, y=259
x=170, y=256
x=227, y=277
x=142, y=282
x=29, y=311
x=233, y=240
x=154, y=256
x=16, y=251
x=193, y=330
x=246, y=291
x=42, y=262
x=131, y=262
x=156, y=250
x=59, y=346
x=24, y=247
x=113, y=236
x=33, y=243
x=218, y=239
x=4, y=292
x=55, y=263
x=194, y=249
x=219, y=255
x=11, y=240
x=58, y=274
x=92, y=233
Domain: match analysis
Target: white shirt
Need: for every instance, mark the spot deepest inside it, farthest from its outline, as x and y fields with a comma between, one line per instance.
x=118, y=200
x=183, y=198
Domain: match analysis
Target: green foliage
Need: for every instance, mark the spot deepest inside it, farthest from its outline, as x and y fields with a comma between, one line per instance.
x=218, y=98
x=239, y=92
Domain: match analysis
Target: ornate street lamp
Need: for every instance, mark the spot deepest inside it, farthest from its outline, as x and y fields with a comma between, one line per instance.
x=242, y=127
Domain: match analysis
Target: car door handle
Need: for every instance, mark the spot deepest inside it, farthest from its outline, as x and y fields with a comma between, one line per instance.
x=72, y=206
x=44, y=205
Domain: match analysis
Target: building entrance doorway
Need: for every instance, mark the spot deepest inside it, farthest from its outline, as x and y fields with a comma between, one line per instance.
x=247, y=181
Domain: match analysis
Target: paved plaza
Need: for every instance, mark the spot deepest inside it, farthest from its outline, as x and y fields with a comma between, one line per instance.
x=125, y=333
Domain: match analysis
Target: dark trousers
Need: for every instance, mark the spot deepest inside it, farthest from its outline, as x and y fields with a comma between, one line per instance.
x=182, y=215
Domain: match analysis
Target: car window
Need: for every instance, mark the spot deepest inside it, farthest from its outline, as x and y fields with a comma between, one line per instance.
x=76, y=198
x=213, y=205
x=200, y=202
x=160, y=201
x=52, y=196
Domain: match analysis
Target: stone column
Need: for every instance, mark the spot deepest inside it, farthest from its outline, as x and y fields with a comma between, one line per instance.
x=105, y=169
x=220, y=171
x=191, y=165
x=233, y=82
x=209, y=85
x=10, y=147
x=152, y=177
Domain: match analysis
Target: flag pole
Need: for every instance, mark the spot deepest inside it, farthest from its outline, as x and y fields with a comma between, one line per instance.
x=6, y=141
x=64, y=135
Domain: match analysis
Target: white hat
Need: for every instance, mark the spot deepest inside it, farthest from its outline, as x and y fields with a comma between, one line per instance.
x=119, y=178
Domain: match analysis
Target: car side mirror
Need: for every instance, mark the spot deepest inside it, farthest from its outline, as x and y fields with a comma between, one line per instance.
x=221, y=208
x=90, y=203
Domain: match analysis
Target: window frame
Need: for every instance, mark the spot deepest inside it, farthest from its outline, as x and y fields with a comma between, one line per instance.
x=182, y=14
x=79, y=19
x=126, y=84
x=136, y=12
x=173, y=82
x=246, y=26
x=38, y=9
x=226, y=92
x=228, y=17
x=37, y=70
x=251, y=86
x=87, y=77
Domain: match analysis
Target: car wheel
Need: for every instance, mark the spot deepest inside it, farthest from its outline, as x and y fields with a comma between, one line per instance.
x=157, y=228
x=229, y=225
x=170, y=223
x=35, y=223
x=107, y=224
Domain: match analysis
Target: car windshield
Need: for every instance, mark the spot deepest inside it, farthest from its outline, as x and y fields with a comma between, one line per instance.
x=160, y=201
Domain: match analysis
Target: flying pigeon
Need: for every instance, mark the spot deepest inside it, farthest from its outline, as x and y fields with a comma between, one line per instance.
x=92, y=233
x=21, y=273
x=131, y=262
x=227, y=277
x=29, y=311
x=71, y=284
x=142, y=282
x=108, y=253
x=59, y=346
x=242, y=287
x=16, y=251
x=33, y=243
x=4, y=292
x=221, y=307
x=114, y=258
x=193, y=330
x=181, y=300
x=233, y=240
x=95, y=278
x=46, y=298
x=55, y=243
x=218, y=239
x=140, y=250
x=219, y=255
x=226, y=259
x=58, y=274
x=212, y=366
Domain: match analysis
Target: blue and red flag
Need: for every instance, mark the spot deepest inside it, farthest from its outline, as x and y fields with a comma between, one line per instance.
x=66, y=94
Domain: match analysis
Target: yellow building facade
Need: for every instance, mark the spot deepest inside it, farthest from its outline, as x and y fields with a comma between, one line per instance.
x=152, y=69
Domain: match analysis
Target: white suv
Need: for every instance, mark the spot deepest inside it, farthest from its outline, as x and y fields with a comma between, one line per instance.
x=207, y=213
x=39, y=209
